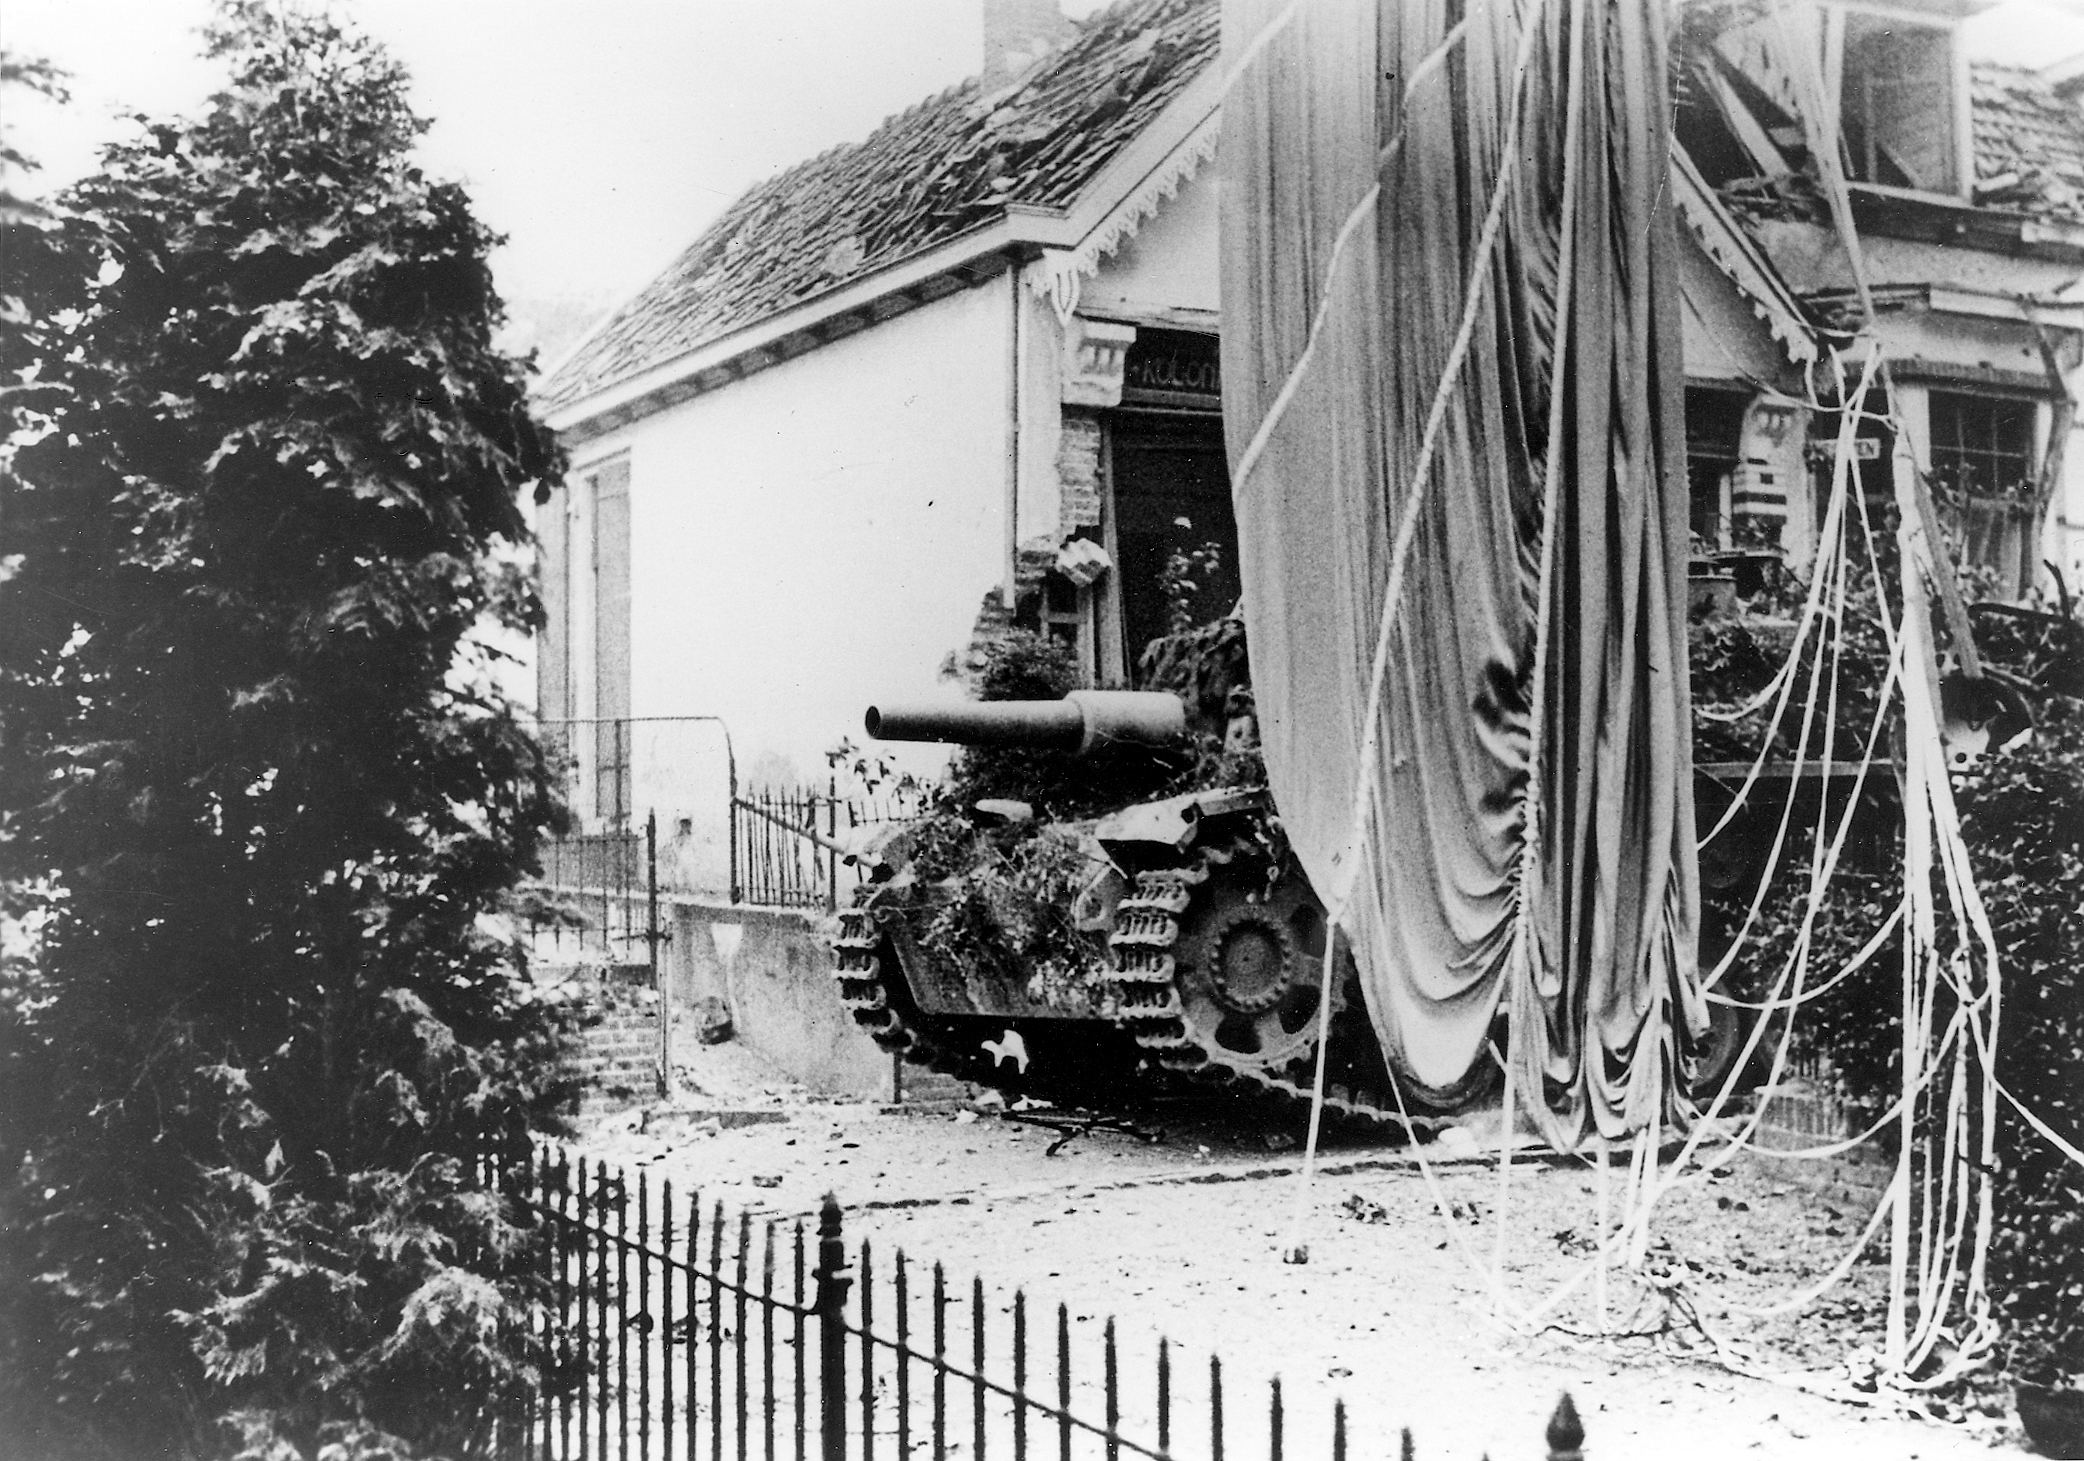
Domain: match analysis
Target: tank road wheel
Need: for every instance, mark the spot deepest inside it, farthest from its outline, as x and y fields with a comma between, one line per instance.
x=1249, y=973
x=1219, y=978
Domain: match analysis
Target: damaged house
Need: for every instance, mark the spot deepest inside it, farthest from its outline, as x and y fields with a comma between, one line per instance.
x=963, y=374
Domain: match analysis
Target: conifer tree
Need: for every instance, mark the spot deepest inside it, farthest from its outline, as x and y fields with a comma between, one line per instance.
x=262, y=523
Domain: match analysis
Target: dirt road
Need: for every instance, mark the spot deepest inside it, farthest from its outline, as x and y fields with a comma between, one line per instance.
x=1177, y=1231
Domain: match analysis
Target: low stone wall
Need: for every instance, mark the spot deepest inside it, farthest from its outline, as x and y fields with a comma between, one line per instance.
x=772, y=968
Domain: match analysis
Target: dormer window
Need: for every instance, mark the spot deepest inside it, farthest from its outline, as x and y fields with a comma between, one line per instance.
x=1898, y=102
x=1897, y=82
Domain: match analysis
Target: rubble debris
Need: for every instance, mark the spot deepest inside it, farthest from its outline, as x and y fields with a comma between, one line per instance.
x=712, y=1021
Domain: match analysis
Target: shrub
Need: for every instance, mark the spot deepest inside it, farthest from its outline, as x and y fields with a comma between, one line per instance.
x=258, y=776
x=2022, y=817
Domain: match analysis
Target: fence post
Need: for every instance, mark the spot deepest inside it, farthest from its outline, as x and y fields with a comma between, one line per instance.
x=831, y=841
x=830, y=1305
x=731, y=823
x=652, y=939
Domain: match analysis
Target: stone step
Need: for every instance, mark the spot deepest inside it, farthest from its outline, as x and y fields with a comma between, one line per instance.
x=625, y=1022
x=621, y=1035
x=631, y=1040
x=592, y=1070
x=608, y=1069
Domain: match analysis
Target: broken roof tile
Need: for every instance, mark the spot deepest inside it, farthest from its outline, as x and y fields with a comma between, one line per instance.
x=2029, y=143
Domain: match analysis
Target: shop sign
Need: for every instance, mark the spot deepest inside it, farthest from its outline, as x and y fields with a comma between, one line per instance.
x=1173, y=368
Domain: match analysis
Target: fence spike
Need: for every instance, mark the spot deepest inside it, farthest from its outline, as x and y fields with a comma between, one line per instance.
x=940, y=1364
x=1114, y=1397
x=1020, y=1375
x=1274, y=1423
x=904, y=1361
x=832, y=1334
x=603, y=1201
x=645, y=1321
x=802, y=1350
x=1566, y=1433
x=865, y=1282
x=569, y=1359
x=1215, y=1408
x=766, y=1344
x=665, y=1313
x=584, y=1249
x=716, y=1331
x=1164, y=1394
x=692, y=1328
x=977, y=1366
x=1063, y=1383
x=744, y=1259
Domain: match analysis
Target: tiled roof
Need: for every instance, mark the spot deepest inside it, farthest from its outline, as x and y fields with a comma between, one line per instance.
x=925, y=177
x=2029, y=143
x=954, y=162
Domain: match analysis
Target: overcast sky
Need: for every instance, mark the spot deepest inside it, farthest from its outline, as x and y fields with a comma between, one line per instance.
x=601, y=135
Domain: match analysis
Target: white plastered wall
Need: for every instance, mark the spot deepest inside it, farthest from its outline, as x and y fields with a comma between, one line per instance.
x=1170, y=265
x=810, y=540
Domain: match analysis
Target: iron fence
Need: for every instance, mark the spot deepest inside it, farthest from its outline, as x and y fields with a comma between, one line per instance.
x=681, y=1335
x=632, y=788
x=782, y=846
x=787, y=847
x=606, y=881
x=792, y=844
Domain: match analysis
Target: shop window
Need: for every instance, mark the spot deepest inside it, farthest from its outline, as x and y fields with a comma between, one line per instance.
x=1896, y=105
x=1982, y=468
x=1982, y=446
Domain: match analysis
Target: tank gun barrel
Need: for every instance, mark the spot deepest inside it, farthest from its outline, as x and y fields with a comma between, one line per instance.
x=1082, y=722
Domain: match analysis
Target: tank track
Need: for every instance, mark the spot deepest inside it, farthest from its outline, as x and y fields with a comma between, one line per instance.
x=1073, y=1063
x=858, y=953
x=1146, y=930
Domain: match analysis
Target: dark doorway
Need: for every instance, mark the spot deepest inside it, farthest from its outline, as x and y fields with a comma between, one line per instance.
x=1171, y=502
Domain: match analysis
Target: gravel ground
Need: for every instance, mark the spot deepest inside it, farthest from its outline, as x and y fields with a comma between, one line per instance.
x=1176, y=1229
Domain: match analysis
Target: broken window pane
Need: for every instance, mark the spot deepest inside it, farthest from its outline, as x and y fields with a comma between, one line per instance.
x=1897, y=106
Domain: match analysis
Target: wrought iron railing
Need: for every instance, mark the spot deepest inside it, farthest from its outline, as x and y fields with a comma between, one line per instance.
x=793, y=844
x=684, y=1335
x=788, y=852
x=781, y=846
